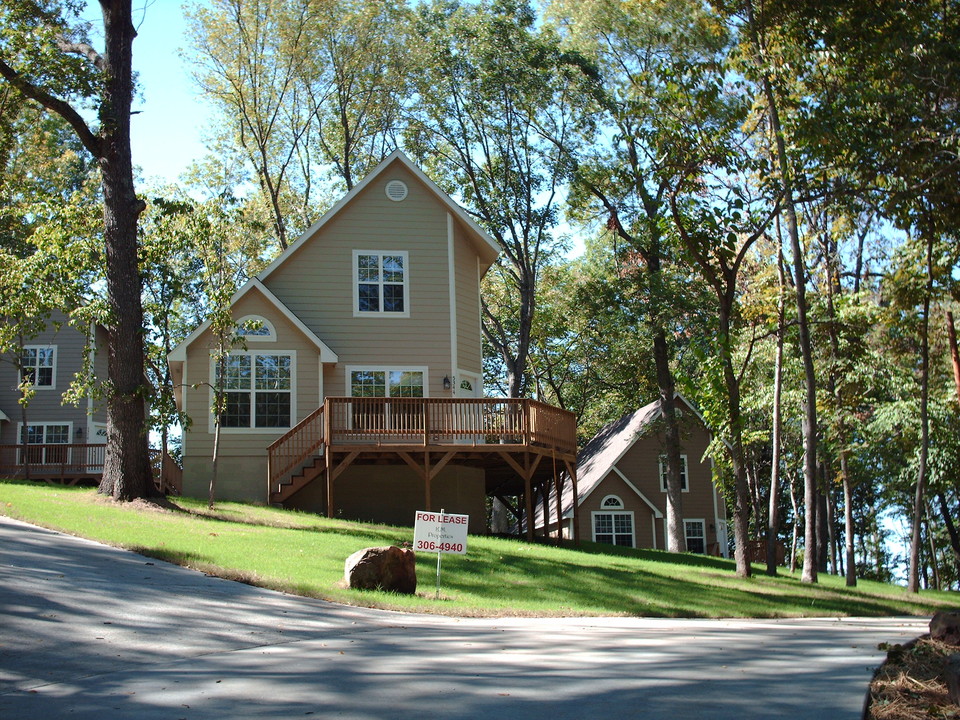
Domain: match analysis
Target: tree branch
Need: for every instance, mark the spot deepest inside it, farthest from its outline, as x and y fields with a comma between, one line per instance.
x=90, y=141
x=95, y=58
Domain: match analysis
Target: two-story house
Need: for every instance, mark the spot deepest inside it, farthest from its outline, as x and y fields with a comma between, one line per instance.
x=66, y=441
x=357, y=389
x=622, y=485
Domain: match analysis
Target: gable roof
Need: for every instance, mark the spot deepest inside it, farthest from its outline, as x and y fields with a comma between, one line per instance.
x=179, y=353
x=599, y=457
x=486, y=247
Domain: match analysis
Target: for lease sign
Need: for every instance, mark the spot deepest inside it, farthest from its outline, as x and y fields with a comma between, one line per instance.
x=440, y=532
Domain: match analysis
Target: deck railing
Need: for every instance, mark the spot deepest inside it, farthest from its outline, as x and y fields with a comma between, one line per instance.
x=53, y=459
x=291, y=449
x=350, y=421
x=78, y=461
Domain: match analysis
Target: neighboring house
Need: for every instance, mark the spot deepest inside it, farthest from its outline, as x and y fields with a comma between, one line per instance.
x=357, y=388
x=66, y=441
x=621, y=483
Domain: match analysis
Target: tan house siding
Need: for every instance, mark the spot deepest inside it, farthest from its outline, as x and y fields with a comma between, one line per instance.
x=243, y=455
x=467, y=282
x=418, y=226
x=315, y=283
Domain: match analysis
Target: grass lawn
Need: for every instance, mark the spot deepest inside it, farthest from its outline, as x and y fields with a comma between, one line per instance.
x=303, y=554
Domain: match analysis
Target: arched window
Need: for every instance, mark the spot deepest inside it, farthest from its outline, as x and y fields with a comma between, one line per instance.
x=612, y=502
x=256, y=328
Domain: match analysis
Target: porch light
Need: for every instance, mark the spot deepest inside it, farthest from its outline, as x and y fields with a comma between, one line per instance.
x=447, y=384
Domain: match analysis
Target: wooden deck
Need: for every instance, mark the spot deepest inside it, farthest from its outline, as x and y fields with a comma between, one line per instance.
x=521, y=444
x=78, y=463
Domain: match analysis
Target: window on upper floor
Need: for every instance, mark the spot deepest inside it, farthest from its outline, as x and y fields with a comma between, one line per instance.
x=684, y=486
x=254, y=328
x=381, y=283
x=259, y=390
x=38, y=365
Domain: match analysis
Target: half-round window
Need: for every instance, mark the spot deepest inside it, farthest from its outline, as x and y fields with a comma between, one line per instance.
x=255, y=328
x=612, y=501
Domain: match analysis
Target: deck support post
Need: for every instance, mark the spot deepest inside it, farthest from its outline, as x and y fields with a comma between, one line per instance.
x=528, y=504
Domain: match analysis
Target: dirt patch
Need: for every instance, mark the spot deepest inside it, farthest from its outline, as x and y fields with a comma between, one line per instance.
x=158, y=504
x=910, y=684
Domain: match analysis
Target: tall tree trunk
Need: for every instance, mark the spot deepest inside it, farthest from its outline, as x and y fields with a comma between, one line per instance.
x=126, y=472
x=809, y=423
x=913, y=578
x=796, y=527
x=848, y=528
x=773, y=518
x=676, y=537
x=741, y=502
x=935, y=569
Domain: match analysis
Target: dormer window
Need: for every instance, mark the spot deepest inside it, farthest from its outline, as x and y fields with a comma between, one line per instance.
x=254, y=328
x=381, y=281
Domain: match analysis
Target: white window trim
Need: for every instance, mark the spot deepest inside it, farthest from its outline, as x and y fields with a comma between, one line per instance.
x=272, y=331
x=53, y=379
x=257, y=430
x=45, y=425
x=355, y=285
x=633, y=524
x=350, y=369
x=663, y=472
x=68, y=423
x=703, y=525
x=618, y=506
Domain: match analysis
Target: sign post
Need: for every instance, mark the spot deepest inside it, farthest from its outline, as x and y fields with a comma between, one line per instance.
x=440, y=533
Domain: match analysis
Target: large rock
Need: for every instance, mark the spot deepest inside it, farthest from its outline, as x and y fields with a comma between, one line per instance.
x=382, y=568
x=945, y=627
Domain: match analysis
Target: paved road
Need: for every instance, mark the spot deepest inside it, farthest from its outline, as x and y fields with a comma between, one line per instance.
x=88, y=631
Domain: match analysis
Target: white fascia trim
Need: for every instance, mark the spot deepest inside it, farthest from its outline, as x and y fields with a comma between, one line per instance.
x=327, y=355
x=3, y=417
x=656, y=512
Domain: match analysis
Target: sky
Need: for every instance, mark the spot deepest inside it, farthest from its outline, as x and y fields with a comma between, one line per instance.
x=167, y=131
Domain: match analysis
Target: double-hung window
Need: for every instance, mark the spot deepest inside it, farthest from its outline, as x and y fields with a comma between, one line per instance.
x=258, y=390
x=44, y=435
x=684, y=474
x=381, y=282
x=613, y=524
x=377, y=415
x=695, y=535
x=38, y=365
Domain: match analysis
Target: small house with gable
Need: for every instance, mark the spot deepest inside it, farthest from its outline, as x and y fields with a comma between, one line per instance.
x=621, y=482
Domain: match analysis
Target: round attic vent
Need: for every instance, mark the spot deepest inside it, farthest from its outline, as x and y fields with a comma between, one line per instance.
x=396, y=190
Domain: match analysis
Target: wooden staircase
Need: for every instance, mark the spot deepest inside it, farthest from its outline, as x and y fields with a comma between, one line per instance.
x=296, y=458
x=293, y=483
